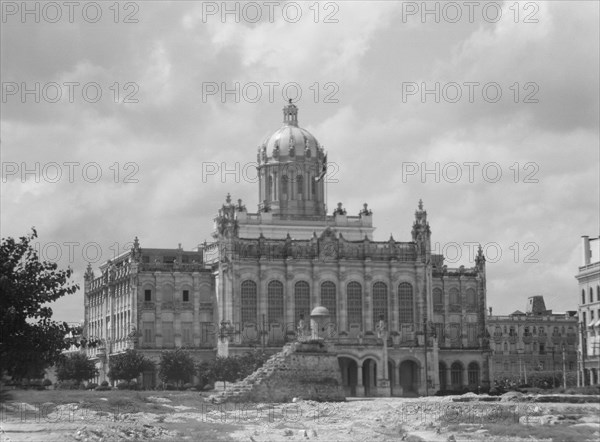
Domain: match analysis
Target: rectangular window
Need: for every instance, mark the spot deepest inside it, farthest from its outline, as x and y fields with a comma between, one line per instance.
x=186, y=296
x=147, y=295
x=148, y=328
x=542, y=349
x=186, y=333
x=168, y=340
x=591, y=315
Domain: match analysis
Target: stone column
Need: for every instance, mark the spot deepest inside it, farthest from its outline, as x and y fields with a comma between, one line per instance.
x=360, y=389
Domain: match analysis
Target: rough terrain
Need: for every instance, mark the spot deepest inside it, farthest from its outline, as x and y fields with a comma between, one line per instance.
x=119, y=415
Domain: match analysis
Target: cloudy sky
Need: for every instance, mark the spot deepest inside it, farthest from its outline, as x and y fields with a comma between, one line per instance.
x=499, y=104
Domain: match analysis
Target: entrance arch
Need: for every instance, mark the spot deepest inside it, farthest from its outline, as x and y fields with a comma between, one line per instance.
x=369, y=368
x=456, y=375
x=349, y=369
x=409, y=378
x=443, y=370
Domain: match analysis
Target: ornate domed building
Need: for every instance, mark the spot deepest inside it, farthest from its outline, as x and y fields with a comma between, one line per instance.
x=401, y=322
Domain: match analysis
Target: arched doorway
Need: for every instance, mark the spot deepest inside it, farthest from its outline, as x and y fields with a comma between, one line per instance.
x=409, y=378
x=349, y=369
x=443, y=373
x=369, y=368
x=456, y=376
x=473, y=374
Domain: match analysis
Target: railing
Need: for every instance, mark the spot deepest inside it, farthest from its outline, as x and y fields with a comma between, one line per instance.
x=311, y=249
x=170, y=267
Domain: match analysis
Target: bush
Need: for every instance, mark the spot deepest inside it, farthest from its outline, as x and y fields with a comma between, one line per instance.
x=187, y=386
x=91, y=385
x=123, y=385
x=36, y=384
x=67, y=385
x=102, y=388
x=46, y=383
x=104, y=383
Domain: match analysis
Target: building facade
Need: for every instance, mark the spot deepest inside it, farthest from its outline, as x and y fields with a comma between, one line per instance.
x=151, y=300
x=400, y=320
x=272, y=267
x=588, y=278
x=537, y=342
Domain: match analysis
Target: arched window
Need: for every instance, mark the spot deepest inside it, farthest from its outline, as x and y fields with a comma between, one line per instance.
x=438, y=300
x=454, y=296
x=302, y=301
x=249, y=301
x=405, y=304
x=275, y=302
x=473, y=373
x=471, y=297
x=354, y=298
x=300, y=181
x=380, y=303
x=456, y=375
x=284, y=185
x=328, y=299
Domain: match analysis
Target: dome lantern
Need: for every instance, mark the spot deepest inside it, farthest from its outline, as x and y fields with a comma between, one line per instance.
x=290, y=114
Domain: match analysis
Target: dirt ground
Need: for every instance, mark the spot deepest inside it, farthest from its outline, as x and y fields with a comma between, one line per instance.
x=116, y=415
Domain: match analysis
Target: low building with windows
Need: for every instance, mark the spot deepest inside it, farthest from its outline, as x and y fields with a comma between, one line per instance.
x=588, y=278
x=400, y=320
x=151, y=300
x=537, y=341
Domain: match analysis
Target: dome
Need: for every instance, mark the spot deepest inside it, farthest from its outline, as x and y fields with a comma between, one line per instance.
x=319, y=311
x=289, y=141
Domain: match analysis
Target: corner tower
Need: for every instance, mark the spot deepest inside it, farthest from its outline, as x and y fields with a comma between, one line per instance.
x=291, y=165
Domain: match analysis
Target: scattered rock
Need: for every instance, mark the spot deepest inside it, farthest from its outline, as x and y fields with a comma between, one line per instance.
x=288, y=432
x=451, y=438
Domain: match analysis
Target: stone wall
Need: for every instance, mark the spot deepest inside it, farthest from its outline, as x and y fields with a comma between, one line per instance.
x=307, y=371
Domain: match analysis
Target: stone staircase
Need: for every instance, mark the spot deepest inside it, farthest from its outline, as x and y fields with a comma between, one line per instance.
x=242, y=391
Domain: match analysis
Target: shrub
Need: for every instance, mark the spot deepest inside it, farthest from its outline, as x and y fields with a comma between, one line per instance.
x=176, y=366
x=46, y=383
x=187, y=386
x=104, y=383
x=91, y=385
x=67, y=385
x=123, y=385
x=102, y=388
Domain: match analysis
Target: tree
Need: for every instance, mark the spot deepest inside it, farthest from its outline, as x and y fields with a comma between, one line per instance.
x=30, y=340
x=76, y=367
x=176, y=366
x=128, y=365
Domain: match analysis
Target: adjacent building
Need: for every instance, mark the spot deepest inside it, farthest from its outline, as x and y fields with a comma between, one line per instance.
x=588, y=278
x=151, y=300
x=535, y=341
x=400, y=320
